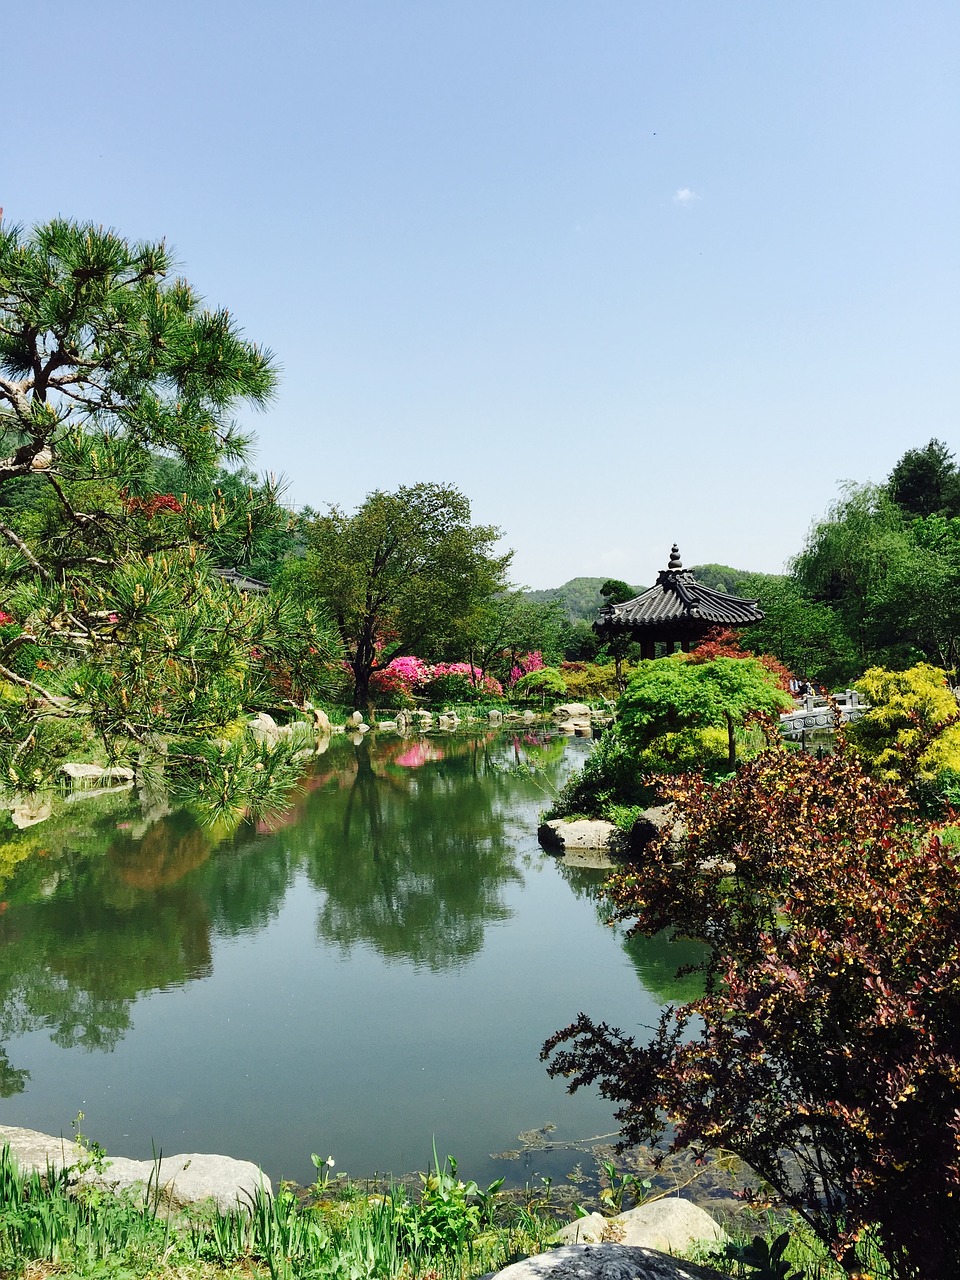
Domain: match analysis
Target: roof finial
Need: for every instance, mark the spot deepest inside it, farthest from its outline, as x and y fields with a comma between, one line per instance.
x=675, y=563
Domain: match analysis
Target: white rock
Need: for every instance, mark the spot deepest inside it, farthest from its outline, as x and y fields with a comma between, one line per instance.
x=263, y=728
x=671, y=1224
x=30, y=810
x=572, y=711
x=583, y=833
x=95, y=773
x=586, y=1230
x=182, y=1179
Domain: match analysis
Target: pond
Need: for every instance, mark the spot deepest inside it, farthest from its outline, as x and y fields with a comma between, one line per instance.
x=375, y=969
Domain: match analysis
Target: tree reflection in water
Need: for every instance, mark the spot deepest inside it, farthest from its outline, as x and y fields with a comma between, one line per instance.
x=410, y=845
x=413, y=862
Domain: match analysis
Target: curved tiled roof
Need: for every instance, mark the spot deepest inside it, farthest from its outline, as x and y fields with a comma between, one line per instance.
x=678, y=602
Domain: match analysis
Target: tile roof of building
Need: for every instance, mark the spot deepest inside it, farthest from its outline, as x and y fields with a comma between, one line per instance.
x=677, y=597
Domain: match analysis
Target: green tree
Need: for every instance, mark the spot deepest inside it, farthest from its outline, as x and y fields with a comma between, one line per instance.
x=402, y=574
x=926, y=482
x=806, y=635
x=674, y=697
x=616, y=591
x=849, y=560
x=506, y=626
x=116, y=619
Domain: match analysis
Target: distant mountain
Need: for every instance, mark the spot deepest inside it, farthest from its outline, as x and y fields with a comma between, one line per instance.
x=580, y=597
x=735, y=582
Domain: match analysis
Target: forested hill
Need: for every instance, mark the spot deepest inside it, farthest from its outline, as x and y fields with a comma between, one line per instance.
x=580, y=597
x=735, y=582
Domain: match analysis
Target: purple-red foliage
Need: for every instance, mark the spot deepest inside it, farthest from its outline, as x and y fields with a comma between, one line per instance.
x=825, y=1051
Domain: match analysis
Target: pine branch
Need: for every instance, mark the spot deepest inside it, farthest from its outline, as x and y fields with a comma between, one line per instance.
x=62, y=704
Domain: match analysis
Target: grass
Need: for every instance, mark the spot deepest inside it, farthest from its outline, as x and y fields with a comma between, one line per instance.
x=50, y=1225
x=335, y=1230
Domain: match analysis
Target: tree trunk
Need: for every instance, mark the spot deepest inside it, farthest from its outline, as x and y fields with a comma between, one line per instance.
x=731, y=743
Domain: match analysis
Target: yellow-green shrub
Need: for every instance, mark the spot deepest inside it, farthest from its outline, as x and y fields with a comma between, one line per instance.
x=905, y=706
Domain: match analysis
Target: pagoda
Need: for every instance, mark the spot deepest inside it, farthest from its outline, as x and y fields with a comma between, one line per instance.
x=677, y=609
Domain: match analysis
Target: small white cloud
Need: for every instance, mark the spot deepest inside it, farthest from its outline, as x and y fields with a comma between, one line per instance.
x=685, y=197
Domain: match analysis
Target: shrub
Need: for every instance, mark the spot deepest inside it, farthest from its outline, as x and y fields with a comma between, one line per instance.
x=824, y=1051
x=547, y=682
x=896, y=736
x=590, y=681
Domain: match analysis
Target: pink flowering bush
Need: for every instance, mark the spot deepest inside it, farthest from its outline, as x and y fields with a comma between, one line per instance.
x=532, y=661
x=405, y=677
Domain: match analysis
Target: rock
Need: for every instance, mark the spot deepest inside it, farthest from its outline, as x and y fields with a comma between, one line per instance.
x=96, y=775
x=355, y=718
x=583, y=833
x=651, y=822
x=29, y=810
x=572, y=711
x=263, y=728
x=605, y=1262
x=671, y=1224
x=495, y=716
x=528, y=717
x=183, y=1180
x=321, y=721
x=587, y=1230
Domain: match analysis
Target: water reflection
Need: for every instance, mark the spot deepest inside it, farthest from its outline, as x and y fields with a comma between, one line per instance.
x=666, y=966
x=410, y=847
x=398, y=880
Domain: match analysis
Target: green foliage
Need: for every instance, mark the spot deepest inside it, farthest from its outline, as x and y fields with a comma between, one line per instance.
x=115, y=381
x=349, y=1231
x=609, y=780
x=893, y=581
x=505, y=626
x=548, y=682
x=807, y=635
x=671, y=700
x=898, y=736
x=591, y=681
x=401, y=574
x=823, y=1051
x=926, y=482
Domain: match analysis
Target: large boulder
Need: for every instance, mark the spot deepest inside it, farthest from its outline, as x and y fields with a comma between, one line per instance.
x=670, y=1224
x=179, y=1181
x=95, y=775
x=263, y=728
x=572, y=711
x=560, y=835
x=606, y=1262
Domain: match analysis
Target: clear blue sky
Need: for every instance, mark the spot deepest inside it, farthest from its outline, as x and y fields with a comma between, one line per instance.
x=626, y=272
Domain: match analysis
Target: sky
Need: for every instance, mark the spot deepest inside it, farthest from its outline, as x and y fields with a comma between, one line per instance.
x=625, y=272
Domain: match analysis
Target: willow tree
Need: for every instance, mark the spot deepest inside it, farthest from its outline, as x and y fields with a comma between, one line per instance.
x=118, y=635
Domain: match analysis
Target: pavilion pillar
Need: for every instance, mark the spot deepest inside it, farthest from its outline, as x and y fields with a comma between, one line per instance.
x=648, y=648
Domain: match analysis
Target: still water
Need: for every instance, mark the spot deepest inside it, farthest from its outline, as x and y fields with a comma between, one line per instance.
x=377, y=968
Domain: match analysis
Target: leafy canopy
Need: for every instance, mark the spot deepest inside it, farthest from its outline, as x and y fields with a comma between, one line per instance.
x=400, y=574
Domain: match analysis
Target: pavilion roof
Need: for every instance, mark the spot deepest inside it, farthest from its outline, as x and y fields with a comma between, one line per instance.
x=678, y=603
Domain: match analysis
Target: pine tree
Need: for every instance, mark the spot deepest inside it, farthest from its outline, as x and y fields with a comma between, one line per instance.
x=119, y=636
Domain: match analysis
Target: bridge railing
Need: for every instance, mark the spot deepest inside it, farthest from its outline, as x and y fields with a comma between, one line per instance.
x=816, y=712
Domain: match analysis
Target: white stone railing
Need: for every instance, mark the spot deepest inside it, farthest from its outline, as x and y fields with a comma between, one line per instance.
x=818, y=713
